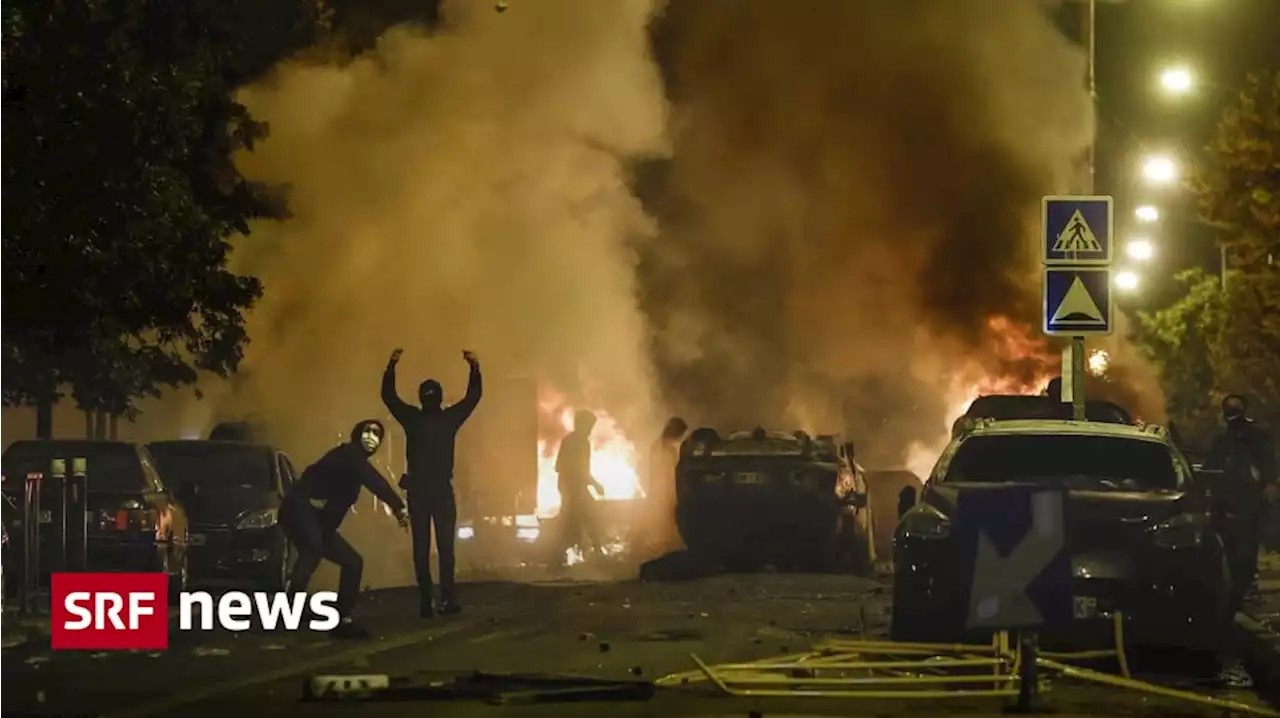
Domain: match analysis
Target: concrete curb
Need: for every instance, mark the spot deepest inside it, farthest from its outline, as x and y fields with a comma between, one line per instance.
x=1259, y=648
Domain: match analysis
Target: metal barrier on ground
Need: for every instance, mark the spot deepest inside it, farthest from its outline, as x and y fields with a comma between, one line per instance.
x=879, y=670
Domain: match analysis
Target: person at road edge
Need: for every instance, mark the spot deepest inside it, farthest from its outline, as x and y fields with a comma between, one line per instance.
x=1245, y=453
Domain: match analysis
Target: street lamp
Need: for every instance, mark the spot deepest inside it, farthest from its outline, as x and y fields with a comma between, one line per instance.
x=1147, y=214
x=1126, y=281
x=1160, y=169
x=1177, y=80
x=1140, y=248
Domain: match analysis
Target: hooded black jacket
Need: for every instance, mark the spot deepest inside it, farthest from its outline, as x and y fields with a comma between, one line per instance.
x=1242, y=446
x=430, y=433
x=336, y=480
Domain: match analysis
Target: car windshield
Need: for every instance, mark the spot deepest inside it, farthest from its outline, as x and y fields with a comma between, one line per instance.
x=1086, y=462
x=111, y=466
x=213, y=466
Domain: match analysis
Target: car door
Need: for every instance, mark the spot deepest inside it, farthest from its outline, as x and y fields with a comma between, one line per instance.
x=287, y=476
x=171, y=517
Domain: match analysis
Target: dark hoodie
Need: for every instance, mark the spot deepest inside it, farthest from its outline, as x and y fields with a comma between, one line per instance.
x=336, y=480
x=430, y=431
x=1245, y=450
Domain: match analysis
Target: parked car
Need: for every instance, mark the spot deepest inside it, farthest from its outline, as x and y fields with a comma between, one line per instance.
x=788, y=500
x=1140, y=533
x=135, y=522
x=233, y=491
x=1004, y=407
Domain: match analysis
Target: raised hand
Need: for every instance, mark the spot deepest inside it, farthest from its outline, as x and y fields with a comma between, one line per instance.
x=395, y=356
x=470, y=356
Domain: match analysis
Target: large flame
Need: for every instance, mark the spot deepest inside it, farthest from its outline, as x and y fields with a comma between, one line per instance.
x=614, y=458
x=1015, y=346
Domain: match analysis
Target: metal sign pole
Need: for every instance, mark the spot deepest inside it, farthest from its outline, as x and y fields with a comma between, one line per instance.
x=78, y=508
x=58, y=558
x=30, y=539
x=1077, y=379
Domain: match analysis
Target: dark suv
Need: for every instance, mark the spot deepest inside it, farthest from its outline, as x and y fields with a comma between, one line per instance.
x=233, y=491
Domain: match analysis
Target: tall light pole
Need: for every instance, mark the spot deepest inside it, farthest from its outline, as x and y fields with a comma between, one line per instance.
x=1089, y=27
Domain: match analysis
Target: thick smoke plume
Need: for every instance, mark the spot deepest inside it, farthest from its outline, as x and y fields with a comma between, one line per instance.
x=462, y=190
x=454, y=191
x=849, y=219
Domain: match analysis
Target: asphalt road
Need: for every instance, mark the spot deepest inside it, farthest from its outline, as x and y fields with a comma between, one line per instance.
x=620, y=630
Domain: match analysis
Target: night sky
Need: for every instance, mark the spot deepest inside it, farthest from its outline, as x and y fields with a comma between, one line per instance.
x=1220, y=40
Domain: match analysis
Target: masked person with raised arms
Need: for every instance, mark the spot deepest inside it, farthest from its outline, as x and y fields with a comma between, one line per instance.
x=314, y=508
x=430, y=431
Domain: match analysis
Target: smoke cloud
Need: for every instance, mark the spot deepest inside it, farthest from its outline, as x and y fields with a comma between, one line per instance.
x=462, y=190
x=456, y=191
x=856, y=189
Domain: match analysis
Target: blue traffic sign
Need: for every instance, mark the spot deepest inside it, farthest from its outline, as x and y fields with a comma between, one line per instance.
x=1077, y=301
x=1077, y=230
x=1021, y=565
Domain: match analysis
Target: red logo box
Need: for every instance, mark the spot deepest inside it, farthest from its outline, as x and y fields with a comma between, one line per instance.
x=110, y=611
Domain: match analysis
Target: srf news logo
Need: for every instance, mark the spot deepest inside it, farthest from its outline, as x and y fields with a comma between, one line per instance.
x=130, y=611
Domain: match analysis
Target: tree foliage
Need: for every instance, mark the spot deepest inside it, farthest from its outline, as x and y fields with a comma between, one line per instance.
x=1212, y=341
x=119, y=125
x=1182, y=339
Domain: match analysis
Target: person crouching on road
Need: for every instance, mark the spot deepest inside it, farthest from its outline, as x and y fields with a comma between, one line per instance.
x=430, y=432
x=573, y=469
x=314, y=508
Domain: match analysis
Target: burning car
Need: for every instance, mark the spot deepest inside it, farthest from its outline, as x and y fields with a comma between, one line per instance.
x=1139, y=532
x=788, y=500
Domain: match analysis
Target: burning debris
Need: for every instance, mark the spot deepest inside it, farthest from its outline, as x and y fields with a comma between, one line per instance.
x=1021, y=362
x=615, y=460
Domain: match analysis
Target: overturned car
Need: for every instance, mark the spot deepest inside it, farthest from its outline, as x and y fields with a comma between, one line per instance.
x=788, y=500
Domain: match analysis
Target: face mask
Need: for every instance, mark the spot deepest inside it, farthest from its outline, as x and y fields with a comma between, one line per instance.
x=370, y=439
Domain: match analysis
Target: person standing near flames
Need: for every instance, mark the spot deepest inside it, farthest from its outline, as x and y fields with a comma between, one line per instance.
x=660, y=489
x=430, y=432
x=573, y=473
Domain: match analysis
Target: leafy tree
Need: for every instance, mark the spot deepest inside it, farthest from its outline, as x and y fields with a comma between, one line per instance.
x=1181, y=340
x=119, y=125
x=1238, y=187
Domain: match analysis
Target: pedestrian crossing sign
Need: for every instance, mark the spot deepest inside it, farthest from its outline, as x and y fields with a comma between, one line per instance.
x=1077, y=230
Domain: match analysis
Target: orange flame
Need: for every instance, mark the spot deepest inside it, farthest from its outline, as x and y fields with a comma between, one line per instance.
x=614, y=458
x=1027, y=365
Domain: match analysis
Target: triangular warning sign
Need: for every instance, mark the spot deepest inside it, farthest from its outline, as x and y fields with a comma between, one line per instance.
x=1077, y=307
x=1077, y=237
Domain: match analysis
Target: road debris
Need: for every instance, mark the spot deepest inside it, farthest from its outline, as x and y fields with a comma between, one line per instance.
x=492, y=688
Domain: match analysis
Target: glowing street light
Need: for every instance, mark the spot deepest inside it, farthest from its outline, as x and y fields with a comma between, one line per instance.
x=1140, y=248
x=1160, y=169
x=1177, y=80
x=1127, y=281
x=1147, y=214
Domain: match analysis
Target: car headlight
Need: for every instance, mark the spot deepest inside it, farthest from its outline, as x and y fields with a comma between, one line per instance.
x=1181, y=531
x=925, y=522
x=466, y=532
x=264, y=519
